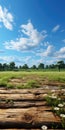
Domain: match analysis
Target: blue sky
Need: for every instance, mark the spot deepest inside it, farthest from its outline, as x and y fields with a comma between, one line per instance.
x=32, y=31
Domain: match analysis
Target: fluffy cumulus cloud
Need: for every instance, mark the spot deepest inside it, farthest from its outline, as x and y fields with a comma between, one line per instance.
x=62, y=50
x=6, y=18
x=31, y=38
x=51, y=52
x=56, y=28
x=48, y=52
x=60, y=54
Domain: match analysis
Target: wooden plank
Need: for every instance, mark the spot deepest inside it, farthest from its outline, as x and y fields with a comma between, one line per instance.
x=23, y=91
x=22, y=104
x=26, y=109
x=21, y=97
x=27, y=116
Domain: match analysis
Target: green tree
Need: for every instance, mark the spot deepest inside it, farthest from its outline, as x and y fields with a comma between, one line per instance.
x=46, y=67
x=1, y=67
x=60, y=64
x=20, y=67
x=41, y=66
x=52, y=66
x=5, y=67
x=12, y=65
x=34, y=67
x=25, y=66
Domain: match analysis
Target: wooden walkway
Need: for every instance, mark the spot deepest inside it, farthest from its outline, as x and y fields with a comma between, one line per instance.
x=26, y=109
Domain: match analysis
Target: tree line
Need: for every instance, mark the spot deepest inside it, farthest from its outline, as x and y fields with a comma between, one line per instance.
x=12, y=66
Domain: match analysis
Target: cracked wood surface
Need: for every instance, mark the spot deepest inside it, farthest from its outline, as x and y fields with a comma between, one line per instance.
x=26, y=109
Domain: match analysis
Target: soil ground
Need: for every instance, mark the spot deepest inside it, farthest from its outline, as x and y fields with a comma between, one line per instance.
x=39, y=79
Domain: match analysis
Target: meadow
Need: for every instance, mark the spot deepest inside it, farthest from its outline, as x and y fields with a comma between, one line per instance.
x=24, y=79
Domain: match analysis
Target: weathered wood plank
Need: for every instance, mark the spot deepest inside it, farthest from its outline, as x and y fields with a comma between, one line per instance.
x=30, y=118
x=22, y=96
x=22, y=104
x=27, y=115
x=27, y=109
x=23, y=91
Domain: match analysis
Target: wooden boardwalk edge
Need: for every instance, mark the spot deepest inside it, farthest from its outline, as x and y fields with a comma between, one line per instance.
x=21, y=109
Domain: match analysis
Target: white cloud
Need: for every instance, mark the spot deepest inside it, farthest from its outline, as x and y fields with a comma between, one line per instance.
x=56, y=28
x=61, y=57
x=31, y=39
x=51, y=54
x=44, y=32
x=18, y=60
x=61, y=51
x=48, y=56
x=6, y=18
x=48, y=52
x=46, y=43
x=60, y=54
x=24, y=59
x=7, y=58
x=36, y=61
x=51, y=61
x=34, y=36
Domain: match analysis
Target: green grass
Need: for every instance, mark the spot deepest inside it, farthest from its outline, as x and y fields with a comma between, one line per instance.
x=57, y=106
x=50, y=76
x=32, y=84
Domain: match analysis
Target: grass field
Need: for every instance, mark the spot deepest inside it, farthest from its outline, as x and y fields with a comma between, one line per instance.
x=22, y=79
